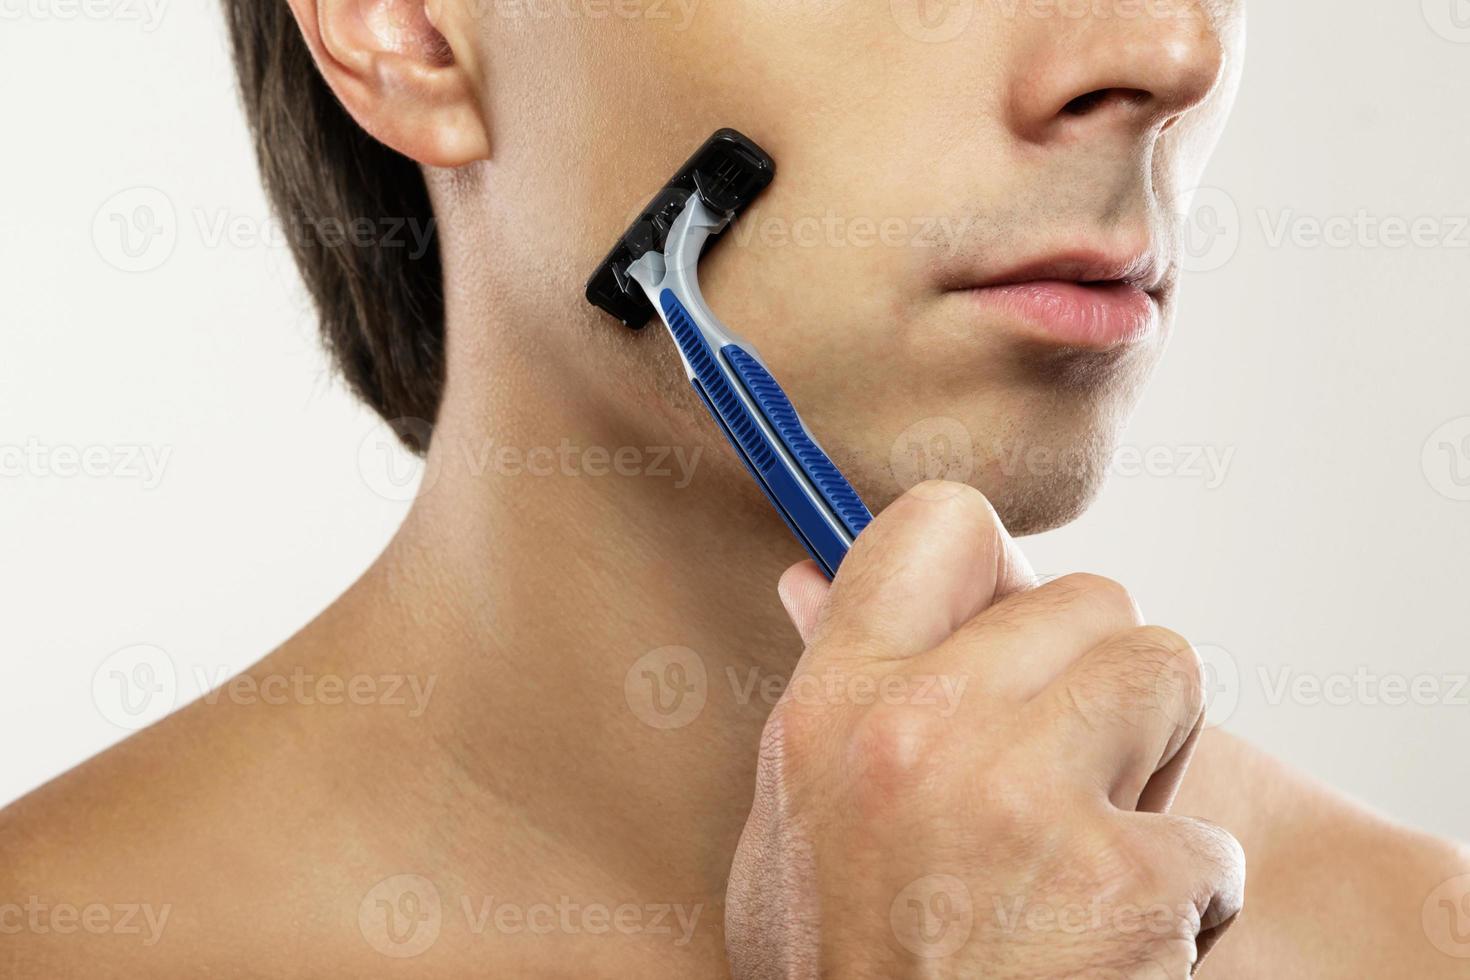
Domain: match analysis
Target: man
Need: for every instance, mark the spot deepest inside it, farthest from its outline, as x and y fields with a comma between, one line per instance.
x=969, y=230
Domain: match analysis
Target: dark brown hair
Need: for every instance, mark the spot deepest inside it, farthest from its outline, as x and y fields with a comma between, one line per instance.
x=381, y=305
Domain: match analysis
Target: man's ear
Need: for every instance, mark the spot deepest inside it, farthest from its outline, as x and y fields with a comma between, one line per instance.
x=405, y=70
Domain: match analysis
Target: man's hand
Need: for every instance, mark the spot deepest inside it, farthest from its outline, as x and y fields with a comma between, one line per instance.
x=970, y=777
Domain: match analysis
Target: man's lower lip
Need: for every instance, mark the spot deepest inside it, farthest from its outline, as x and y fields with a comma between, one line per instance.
x=1070, y=314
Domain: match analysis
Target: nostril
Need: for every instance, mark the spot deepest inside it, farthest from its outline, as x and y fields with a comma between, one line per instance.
x=1089, y=103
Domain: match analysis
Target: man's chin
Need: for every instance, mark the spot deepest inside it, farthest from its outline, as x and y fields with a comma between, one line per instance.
x=1034, y=487
x=1046, y=505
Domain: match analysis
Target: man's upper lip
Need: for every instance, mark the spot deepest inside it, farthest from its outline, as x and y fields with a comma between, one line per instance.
x=1140, y=269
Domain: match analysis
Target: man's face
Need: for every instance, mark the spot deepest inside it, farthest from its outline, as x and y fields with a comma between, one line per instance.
x=931, y=155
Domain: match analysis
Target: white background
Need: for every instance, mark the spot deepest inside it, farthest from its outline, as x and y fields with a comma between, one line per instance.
x=1334, y=546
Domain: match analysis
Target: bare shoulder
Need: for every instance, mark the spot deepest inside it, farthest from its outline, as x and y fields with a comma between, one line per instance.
x=253, y=841
x=1333, y=889
x=217, y=838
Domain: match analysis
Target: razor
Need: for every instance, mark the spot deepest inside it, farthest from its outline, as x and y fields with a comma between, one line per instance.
x=654, y=268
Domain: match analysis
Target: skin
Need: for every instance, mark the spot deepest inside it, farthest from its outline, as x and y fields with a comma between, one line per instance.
x=957, y=833
x=270, y=830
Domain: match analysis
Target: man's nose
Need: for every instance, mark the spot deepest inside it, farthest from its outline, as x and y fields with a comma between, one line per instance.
x=1128, y=70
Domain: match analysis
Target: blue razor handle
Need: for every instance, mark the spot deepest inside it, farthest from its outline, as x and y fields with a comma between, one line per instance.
x=808, y=491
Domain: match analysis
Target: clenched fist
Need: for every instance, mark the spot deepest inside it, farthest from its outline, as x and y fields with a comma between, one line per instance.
x=1017, y=828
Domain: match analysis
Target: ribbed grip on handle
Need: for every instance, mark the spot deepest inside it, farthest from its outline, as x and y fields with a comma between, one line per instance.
x=781, y=416
x=817, y=504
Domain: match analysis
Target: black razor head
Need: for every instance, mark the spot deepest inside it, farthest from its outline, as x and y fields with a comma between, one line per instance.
x=728, y=172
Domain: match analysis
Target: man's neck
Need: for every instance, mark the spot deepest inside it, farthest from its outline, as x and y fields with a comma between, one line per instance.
x=601, y=622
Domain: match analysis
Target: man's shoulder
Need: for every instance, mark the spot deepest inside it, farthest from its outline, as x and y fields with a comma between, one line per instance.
x=1333, y=888
x=227, y=843
x=168, y=854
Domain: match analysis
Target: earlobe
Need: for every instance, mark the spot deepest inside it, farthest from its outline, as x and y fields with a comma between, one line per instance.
x=403, y=72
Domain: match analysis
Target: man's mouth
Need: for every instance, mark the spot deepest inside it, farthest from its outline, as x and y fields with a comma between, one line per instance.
x=1081, y=299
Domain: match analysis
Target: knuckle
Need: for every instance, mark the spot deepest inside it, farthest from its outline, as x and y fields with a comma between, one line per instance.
x=1168, y=663
x=893, y=751
x=1213, y=846
x=1013, y=804
x=1111, y=598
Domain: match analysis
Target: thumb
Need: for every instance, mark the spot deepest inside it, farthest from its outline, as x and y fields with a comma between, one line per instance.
x=803, y=590
x=933, y=559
